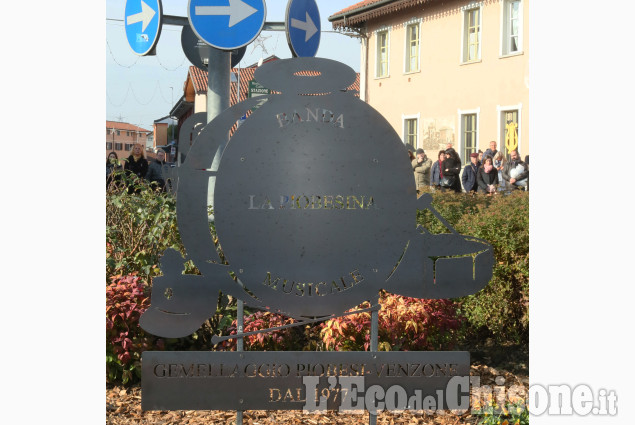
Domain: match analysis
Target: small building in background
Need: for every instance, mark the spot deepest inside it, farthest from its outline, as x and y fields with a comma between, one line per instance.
x=161, y=128
x=121, y=136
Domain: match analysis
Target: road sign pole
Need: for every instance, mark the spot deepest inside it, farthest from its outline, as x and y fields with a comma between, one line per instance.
x=218, y=83
x=218, y=71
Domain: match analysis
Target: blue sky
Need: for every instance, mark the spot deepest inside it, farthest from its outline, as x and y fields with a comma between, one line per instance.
x=140, y=89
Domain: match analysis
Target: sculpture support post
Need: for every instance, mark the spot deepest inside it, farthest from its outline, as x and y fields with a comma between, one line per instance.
x=239, y=346
x=374, y=331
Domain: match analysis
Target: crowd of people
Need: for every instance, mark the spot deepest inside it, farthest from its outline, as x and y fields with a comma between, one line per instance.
x=487, y=172
x=136, y=166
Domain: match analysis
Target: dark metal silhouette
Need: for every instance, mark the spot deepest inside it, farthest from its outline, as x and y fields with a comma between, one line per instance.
x=315, y=210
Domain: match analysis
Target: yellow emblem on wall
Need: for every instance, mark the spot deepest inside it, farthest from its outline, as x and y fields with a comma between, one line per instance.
x=511, y=136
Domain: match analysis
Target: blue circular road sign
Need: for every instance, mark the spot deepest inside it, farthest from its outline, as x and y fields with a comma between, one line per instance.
x=302, y=23
x=227, y=24
x=142, y=20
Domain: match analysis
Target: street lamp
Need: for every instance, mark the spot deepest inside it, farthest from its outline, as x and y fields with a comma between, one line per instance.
x=171, y=106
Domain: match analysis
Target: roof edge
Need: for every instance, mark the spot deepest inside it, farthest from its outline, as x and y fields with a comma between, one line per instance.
x=355, y=18
x=359, y=10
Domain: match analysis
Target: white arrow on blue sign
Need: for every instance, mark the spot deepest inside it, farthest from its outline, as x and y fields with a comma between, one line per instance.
x=302, y=23
x=143, y=20
x=227, y=24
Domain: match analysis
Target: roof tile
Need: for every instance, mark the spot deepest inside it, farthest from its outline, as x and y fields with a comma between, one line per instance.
x=366, y=10
x=199, y=78
x=125, y=126
x=357, y=6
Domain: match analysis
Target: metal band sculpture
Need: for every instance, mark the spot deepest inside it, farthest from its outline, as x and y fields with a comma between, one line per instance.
x=315, y=211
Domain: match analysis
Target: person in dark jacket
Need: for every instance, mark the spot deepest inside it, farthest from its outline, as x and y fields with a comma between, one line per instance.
x=136, y=165
x=435, y=171
x=516, y=172
x=487, y=177
x=155, y=171
x=112, y=165
x=469, y=174
x=452, y=169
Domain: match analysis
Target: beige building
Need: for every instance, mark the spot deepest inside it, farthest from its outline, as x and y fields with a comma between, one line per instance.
x=446, y=71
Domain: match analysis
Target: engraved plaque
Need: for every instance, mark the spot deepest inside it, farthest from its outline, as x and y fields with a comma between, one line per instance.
x=187, y=380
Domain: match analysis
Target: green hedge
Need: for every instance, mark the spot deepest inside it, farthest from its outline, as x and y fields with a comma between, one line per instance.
x=501, y=310
x=141, y=226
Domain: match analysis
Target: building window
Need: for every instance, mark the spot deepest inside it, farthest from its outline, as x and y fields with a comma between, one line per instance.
x=412, y=47
x=469, y=136
x=472, y=35
x=107, y=131
x=118, y=133
x=382, y=54
x=410, y=132
x=118, y=146
x=128, y=146
x=512, y=25
x=509, y=131
x=109, y=145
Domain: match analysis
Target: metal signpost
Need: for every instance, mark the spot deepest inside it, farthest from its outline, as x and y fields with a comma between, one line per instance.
x=256, y=89
x=315, y=212
x=303, y=27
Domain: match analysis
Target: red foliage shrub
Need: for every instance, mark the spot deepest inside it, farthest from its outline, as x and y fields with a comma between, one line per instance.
x=285, y=339
x=125, y=340
x=404, y=324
